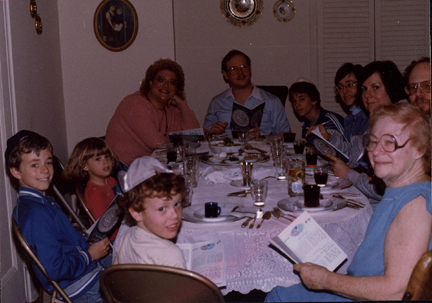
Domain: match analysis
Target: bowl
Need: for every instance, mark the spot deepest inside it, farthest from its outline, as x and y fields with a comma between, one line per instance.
x=215, y=159
x=217, y=147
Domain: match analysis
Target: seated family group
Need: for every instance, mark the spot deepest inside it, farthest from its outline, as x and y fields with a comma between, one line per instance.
x=386, y=136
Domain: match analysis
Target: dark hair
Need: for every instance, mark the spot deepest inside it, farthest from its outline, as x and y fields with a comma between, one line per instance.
x=160, y=185
x=305, y=88
x=410, y=67
x=163, y=64
x=390, y=76
x=32, y=142
x=346, y=69
x=83, y=151
x=230, y=55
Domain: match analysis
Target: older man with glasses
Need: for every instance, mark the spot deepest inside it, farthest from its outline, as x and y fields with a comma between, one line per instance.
x=236, y=71
x=417, y=78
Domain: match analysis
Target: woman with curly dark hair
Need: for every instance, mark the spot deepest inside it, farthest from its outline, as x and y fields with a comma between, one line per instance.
x=143, y=120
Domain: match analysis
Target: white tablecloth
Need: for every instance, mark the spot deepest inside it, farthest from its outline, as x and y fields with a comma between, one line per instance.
x=251, y=263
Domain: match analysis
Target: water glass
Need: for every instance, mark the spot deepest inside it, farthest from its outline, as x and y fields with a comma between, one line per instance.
x=259, y=190
x=296, y=177
x=190, y=169
x=243, y=136
x=189, y=191
x=188, y=149
x=276, y=151
x=280, y=165
x=247, y=168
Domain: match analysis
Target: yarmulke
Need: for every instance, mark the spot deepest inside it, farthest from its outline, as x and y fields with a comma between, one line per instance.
x=140, y=170
x=13, y=141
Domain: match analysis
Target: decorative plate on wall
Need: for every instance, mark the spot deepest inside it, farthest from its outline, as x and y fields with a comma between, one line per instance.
x=284, y=10
x=242, y=13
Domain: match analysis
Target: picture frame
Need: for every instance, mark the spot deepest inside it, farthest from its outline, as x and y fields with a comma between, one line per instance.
x=115, y=24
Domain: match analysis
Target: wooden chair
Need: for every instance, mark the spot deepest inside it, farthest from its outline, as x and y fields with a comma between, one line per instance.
x=420, y=283
x=57, y=289
x=280, y=91
x=140, y=283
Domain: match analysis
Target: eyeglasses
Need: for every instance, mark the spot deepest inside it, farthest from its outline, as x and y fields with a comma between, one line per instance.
x=388, y=143
x=161, y=81
x=348, y=85
x=411, y=88
x=234, y=70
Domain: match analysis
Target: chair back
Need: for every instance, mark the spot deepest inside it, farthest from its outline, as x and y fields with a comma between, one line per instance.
x=57, y=289
x=280, y=91
x=130, y=283
x=420, y=283
x=80, y=196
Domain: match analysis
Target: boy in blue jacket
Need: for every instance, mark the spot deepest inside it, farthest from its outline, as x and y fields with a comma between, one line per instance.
x=67, y=257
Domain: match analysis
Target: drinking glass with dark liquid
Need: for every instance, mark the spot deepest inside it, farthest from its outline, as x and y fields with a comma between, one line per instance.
x=171, y=152
x=311, y=156
x=299, y=146
x=321, y=176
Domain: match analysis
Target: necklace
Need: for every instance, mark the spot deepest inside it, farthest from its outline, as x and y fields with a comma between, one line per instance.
x=166, y=123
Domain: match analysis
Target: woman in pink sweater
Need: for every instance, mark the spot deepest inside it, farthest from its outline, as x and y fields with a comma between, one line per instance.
x=143, y=120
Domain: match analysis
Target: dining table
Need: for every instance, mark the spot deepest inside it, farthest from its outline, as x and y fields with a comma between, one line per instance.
x=251, y=262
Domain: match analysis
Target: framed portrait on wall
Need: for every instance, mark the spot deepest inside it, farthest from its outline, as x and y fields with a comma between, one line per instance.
x=115, y=24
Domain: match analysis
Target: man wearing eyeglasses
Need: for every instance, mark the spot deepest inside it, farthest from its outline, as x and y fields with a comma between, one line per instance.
x=236, y=71
x=417, y=78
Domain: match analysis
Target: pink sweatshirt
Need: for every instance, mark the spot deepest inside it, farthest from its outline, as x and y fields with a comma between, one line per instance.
x=137, y=128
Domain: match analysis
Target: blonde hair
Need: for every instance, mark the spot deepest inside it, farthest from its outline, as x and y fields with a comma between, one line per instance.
x=418, y=125
x=83, y=151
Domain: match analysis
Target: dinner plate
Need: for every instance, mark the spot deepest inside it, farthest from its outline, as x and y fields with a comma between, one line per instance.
x=239, y=184
x=296, y=204
x=195, y=214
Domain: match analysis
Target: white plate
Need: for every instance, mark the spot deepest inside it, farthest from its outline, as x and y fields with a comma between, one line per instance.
x=231, y=162
x=215, y=160
x=239, y=184
x=296, y=204
x=195, y=214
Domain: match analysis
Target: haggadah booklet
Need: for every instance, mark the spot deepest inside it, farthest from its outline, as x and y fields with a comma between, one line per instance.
x=206, y=258
x=304, y=240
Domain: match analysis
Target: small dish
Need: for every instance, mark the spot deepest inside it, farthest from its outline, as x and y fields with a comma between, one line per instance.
x=215, y=159
x=239, y=184
x=251, y=158
x=294, y=204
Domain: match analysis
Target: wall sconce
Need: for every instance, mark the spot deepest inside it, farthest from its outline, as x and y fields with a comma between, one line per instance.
x=34, y=15
x=284, y=10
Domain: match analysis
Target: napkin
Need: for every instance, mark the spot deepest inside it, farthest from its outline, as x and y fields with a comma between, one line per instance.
x=227, y=175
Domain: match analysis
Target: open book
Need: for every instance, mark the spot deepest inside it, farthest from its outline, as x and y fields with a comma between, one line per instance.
x=305, y=241
x=317, y=133
x=206, y=258
x=243, y=118
x=106, y=224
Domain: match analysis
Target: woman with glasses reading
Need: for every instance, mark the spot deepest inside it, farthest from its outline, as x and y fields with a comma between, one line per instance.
x=399, y=232
x=380, y=83
x=357, y=122
x=143, y=120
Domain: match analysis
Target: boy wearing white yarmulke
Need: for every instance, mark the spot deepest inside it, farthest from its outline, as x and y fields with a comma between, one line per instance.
x=153, y=196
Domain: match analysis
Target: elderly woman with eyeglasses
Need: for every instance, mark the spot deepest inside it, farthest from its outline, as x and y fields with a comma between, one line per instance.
x=357, y=122
x=380, y=83
x=143, y=120
x=399, y=232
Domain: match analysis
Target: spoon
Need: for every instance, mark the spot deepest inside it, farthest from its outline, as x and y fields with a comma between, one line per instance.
x=266, y=216
x=258, y=215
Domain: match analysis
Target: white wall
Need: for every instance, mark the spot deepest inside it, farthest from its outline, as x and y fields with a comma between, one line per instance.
x=280, y=52
x=95, y=79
